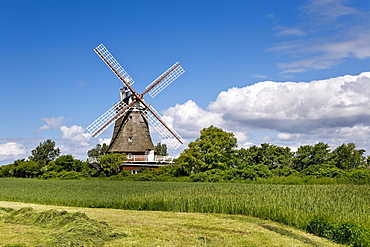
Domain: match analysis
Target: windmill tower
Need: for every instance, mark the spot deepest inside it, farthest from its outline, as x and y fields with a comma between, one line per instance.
x=132, y=115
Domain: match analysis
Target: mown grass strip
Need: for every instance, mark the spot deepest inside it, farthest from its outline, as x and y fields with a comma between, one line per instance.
x=68, y=229
x=158, y=228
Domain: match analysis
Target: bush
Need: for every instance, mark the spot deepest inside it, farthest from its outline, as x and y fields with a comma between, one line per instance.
x=343, y=233
x=284, y=172
x=199, y=177
x=324, y=170
x=360, y=175
x=67, y=175
x=49, y=175
x=321, y=226
x=217, y=175
x=262, y=171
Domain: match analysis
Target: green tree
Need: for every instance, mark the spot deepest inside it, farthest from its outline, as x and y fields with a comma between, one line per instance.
x=247, y=157
x=98, y=150
x=111, y=163
x=346, y=157
x=68, y=163
x=214, y=149
x=268, y=154
x=309, y=155
x=22, y=169
x=45, y=152
x=161, y=149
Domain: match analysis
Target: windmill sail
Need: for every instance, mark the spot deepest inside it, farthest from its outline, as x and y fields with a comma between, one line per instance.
x=105, y=120
x=164, y=80
x=113, y=64
x=168, y=134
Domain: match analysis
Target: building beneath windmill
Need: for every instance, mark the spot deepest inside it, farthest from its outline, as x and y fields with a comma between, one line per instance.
x=132, y=116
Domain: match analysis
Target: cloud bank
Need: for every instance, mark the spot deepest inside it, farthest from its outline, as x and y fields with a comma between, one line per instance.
x=333, y=110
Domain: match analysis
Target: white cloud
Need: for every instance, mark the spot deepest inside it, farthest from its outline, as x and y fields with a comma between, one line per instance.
x=334, y=111
x=288, y=137
x=260, y=76
x=189, y=118
x=293, y=31
x=104, y=140
x=328, y=38
x=76, y=134
x=298, y=107
x=328, y=9
x=11, y=150
x=51, y=123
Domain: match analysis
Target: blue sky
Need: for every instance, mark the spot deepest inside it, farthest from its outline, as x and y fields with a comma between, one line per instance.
x=244, y=61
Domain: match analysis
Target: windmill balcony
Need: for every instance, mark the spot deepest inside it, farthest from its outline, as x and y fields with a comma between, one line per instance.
x=149, y=158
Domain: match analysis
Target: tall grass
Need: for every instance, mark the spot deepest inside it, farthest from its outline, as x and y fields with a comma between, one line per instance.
x=293, y=205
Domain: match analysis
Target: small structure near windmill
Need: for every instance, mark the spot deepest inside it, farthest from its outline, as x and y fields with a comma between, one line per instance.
x=132, y=116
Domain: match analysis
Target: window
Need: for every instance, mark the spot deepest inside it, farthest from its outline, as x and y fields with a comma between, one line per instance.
x=129, y=156
x=130, y=139
x=129, y=118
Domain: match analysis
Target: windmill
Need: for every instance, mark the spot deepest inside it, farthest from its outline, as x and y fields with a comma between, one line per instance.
x=131, y=114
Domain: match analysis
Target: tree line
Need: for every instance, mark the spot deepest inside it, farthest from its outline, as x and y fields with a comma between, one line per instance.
x=212, y=157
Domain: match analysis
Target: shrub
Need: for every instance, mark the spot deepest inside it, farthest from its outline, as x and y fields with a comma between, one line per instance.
x=262, y=171
x=343, y=233
x=284, y=172
x=323, y=170
x=66, y=175
x=359, y=175
x=49, y=175
x=69, y=175
x=321, y=226
x=199, y=177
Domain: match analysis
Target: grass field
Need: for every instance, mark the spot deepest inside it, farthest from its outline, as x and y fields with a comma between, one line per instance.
x=154, y=228
x=293, y=205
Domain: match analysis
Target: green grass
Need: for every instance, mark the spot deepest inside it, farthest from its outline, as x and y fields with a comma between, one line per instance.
x=294, y=205
x=154, y=228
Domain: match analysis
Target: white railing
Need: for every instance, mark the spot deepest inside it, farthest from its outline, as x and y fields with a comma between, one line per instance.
x=138, y=158
x=145, y=158
x=164, y=159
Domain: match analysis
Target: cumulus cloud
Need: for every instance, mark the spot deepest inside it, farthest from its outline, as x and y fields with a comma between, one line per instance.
x=10, y=150
x=328, y=39
x=51, y=123
x=76, y=134
x=298, y=107
x=334, y=110
x=189, y=118
x=104, y=141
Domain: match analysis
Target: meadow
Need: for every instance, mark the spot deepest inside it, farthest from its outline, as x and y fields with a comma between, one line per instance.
x=294, y=205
